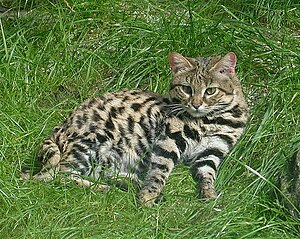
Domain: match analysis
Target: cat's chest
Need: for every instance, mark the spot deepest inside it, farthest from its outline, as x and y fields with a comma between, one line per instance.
x=194, y=135
x=187, y=135
x=190, y=131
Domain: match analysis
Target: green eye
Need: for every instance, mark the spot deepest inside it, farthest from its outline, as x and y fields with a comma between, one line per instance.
x=187, y=89
x=211, y=91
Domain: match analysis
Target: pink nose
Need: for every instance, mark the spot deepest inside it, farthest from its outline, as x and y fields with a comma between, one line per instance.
x=196, y=105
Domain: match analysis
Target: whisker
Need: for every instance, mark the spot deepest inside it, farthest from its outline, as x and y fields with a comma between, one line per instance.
x=175, y=109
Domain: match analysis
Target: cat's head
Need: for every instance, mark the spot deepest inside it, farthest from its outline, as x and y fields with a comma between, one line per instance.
x=203, y=86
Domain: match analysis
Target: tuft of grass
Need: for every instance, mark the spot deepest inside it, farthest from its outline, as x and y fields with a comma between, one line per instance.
x=59, y=53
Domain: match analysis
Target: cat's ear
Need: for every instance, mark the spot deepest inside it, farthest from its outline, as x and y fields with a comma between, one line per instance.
x=179, y=63
x=226, y=65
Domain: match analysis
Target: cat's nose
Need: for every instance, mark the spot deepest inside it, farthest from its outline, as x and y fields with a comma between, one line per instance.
x=196, y=103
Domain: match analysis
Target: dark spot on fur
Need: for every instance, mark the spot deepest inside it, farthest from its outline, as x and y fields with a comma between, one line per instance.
x=191, y=133
x=130, y=122
x=136, y=106
x=109, y=134
x=203, y=163
x=121, y=109
x=113, y=112
x=211, y=151
x=222, y=121
x=96, y=117
x=101, y=138
x=236, y=111
x=109, y=124
x=177, y=136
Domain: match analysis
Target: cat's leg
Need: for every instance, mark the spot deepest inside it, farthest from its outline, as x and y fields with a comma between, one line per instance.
x=162, y=161
x=205, y=177
x=205, y=164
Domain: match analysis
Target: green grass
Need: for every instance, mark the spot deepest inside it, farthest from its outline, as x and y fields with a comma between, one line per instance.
x=63, y=52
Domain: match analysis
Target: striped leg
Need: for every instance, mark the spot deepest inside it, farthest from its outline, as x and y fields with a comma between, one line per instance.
x=204, y=169
x=162, y=163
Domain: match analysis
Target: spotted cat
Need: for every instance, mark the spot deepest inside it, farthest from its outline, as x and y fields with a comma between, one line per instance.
x=140, y=135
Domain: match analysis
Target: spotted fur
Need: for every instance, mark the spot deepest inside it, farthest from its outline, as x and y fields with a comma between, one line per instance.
x=140, y=136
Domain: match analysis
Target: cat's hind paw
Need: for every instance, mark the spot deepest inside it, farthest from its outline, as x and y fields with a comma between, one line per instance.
x=146, y=198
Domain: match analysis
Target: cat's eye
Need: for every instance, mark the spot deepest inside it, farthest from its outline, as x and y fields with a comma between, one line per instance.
x=211, y=91
x=187, y=89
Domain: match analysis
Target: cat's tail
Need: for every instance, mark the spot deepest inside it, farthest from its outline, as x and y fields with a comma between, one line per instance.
x=48, y=160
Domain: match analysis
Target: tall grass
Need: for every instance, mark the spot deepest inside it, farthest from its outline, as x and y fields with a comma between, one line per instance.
x=62, y=52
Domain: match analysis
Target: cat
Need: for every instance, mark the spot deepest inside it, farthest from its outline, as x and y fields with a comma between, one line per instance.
x=140, y=136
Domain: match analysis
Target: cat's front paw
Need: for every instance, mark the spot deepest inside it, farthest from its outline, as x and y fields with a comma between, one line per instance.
x=207, y=191
x=147, y=198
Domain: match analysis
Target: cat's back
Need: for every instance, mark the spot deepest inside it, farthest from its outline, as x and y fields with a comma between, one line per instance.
x=127, y=113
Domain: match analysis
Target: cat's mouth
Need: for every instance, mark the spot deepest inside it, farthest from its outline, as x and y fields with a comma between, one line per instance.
x=198, y=113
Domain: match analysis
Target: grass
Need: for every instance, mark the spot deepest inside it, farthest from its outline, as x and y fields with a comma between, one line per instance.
x=62, y=52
